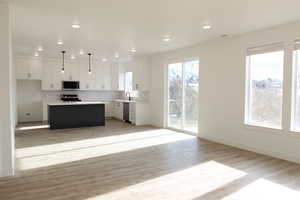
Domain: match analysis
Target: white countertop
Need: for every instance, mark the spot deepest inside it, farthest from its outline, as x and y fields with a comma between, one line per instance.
x=102, y=101
x=76, y=103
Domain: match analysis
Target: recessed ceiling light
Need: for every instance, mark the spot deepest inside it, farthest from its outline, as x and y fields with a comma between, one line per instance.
x=40, y=48
x=104, y=59
x=206, y=27
x=167, y=39
x=133, y=50
x=81, y=52
x=73, y=57
x=76, y=26
x=36, y=54
x=60, y=42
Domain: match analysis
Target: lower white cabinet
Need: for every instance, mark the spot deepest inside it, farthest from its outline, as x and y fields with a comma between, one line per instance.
x=139, y=113
x=118, y=110
x=108, y=109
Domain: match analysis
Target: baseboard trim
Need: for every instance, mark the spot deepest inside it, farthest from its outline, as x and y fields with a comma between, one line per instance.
x=268, y=152
x=6, y=172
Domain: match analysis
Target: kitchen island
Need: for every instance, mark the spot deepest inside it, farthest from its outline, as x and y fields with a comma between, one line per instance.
x=76, y=114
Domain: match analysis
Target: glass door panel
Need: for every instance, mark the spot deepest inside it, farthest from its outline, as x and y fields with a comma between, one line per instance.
x=190, y=97
x=175, y=96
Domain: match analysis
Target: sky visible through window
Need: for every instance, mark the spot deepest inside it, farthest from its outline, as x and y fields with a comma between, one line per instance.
x=267, y=65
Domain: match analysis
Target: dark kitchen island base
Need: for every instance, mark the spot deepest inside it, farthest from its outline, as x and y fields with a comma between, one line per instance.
x=75, y=115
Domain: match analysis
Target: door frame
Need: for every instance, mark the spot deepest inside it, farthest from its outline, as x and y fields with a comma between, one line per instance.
x=166, y=97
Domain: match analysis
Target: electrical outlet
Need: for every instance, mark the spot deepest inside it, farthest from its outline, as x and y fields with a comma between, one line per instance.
x=28, y=114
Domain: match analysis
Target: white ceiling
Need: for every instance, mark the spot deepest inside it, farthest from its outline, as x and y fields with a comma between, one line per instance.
x=109, y=26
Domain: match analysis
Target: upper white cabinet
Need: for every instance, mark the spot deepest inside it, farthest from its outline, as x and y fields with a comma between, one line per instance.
x=49, y=71
x=29, y=68
x=52, y=76
x=141, y=74
x=117, y=76
x=99, y=79
x=139, y=67
x=71, y=71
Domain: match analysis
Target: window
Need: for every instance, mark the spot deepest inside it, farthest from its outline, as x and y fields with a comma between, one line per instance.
x=128, y=81
x=183, y=81
x=295, y=125
x=265, y=86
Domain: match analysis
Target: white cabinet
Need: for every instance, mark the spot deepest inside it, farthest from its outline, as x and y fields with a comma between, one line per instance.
x=105, y=76
x=99, y=79
x=29, y=68
x=71, y=71
x=139, y=113
x=49, y=71
x=86, y=79
x=118, y=110
x=108, y=109
x=117, y=76
x=139, y=67
x=141, y=74
x=52, y=76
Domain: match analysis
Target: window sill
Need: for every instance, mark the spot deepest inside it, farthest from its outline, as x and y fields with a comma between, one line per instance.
x=262, y=128
x=269, y=130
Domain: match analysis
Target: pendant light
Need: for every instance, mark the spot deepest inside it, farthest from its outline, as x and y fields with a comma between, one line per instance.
x=63, y=62
x=90, y=70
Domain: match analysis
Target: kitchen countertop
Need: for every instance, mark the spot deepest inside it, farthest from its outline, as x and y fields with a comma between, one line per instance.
x=101, y=101
x=76, y=103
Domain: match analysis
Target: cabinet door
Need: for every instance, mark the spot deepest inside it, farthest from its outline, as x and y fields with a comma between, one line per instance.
x=72, y=71
x=52, y=76
x=35, y=67
x=108, y=109
x=22, y=68
x=114, y=76
x=106, y=77
x=140, y=74
x=86, y=79
x=103, y=76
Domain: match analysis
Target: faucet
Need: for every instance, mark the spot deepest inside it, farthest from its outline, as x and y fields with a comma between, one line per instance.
x=129, y=97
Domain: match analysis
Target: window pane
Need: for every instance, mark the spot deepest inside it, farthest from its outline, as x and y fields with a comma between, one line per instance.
x=265, y=92
x=191, y=81
x=128, y=81
x=296, y=109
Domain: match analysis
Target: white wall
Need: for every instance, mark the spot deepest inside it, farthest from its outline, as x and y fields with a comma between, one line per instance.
x=30, y=102
x=7, y=94
x=222, y=92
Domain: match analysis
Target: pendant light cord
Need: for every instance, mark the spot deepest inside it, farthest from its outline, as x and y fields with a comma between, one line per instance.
x=89, y=62
x=63, y=59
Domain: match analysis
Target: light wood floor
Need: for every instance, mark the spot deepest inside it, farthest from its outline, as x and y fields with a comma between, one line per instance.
x=120, y=162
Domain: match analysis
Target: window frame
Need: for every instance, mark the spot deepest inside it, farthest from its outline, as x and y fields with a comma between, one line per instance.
x=277, y=47
x=295, y=70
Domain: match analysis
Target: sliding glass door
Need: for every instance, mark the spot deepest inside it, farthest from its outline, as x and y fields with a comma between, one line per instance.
x=183, y=85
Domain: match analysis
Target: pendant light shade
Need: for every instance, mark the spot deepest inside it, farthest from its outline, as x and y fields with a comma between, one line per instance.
x=90, y=69
x=63, y=62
